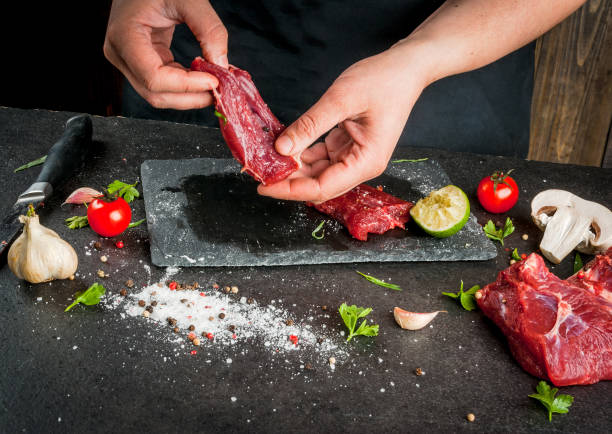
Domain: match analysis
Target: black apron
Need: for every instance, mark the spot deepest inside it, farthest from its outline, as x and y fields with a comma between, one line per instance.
x=295, y=49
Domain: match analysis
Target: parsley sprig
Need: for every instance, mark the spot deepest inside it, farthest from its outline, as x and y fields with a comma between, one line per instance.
x=546, y=396
x=379, y=282
x=350, y=315
x=467, y=299
x=90, y=297
x=492, y=232
x=77, y=222
x=127, y=191
x=577, y=263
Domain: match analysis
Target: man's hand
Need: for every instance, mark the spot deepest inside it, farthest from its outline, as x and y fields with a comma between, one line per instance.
x=138, y=43
x=366, y=109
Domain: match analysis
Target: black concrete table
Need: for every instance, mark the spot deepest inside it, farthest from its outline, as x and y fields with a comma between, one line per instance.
x=93, y=371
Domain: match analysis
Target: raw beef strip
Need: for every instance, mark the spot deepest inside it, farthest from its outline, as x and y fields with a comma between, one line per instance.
x=556, y=329
x=249, y=127
x=367, y=209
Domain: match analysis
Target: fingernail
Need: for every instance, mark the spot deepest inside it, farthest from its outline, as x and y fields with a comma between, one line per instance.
x=284, y=145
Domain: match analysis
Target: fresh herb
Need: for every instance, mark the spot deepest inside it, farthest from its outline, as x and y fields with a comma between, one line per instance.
x=418, y=160
x=516, y=256
x=37, y=162
x=546, y=396
x=577, y=263
x=126, y=191
x=466, y=298
x=379, y=282
x=318, y=228
x=221, y=116
x=90, y=297
x=137, y=223
x=350, y=315
x=492, y=232
x=77, y=222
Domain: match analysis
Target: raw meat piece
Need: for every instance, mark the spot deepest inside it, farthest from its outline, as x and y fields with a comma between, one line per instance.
x=367, y=209
x=249, y=127
x=556, y=329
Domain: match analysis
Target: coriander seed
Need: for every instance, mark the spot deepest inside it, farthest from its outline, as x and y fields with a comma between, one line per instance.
x=176, y=330
x=250, y=300
x=234, y=290
x=97, y=245
x=289, y=322
x=103, y=258
x=471, y=417
x=142, y=303
x=129, y=283
x=123, y=292
x=101, y=273
x=227, y=289
x=146, y=313
x=196, y=342
x=332, y=360
x=418, y=372
x=211, y=318
x=524, y=237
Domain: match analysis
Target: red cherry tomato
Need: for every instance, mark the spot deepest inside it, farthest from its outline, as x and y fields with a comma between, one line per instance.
x=498, y=193
x=109, y=218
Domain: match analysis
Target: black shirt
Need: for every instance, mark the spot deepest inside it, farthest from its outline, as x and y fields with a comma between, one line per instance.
x=295, y=49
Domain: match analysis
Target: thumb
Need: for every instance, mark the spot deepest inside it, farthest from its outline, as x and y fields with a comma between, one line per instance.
x=208, y=29
x=328, y=112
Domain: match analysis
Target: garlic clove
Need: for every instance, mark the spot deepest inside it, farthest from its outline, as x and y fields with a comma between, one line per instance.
x=40, y=255
x=413, y=320
x=82, y=195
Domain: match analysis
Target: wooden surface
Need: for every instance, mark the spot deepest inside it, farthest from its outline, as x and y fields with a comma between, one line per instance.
x=572, y=99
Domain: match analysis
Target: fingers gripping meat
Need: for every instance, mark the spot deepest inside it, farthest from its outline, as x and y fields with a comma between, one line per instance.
x=247, y=124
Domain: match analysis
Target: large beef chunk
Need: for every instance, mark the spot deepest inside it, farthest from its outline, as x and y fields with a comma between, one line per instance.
x=365, y=209
x=247, y=124
x=556, y=329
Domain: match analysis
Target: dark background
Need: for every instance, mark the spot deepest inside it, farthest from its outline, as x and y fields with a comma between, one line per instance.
x=52, y=48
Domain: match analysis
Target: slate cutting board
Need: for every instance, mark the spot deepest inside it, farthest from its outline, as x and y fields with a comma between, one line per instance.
x=204, y=212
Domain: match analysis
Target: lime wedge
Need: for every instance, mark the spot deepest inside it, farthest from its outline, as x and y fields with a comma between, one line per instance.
x=443, y=213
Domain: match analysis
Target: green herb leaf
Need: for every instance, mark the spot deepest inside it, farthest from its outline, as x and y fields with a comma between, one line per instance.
x=467, y=299
x=221, y=116
x=418, y=160
x=546, y=396
x=350, y=315
x=379, y=282
x=126, y=191
x=577, y=263
x=318, y=228
x=90, y=297
x=493, y=233
x=137, y=223
x=37, y=162
x=77, y=222
x=516, y=256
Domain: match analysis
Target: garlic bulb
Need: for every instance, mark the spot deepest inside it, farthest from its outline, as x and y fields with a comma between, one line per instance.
x=39, y=254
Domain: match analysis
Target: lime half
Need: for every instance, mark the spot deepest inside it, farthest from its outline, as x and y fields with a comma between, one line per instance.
x=443, y=213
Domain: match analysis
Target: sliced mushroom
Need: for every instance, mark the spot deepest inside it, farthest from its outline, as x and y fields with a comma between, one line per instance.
x=570, y=222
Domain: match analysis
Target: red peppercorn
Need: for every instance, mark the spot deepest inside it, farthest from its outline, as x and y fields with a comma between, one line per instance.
x=202, y=294
x=210, y=336
x=234, y=336
x=119, y=244
x=172, y=285
x=193, y=352
x=580, y=274
x=523, y=256
x=293, y=339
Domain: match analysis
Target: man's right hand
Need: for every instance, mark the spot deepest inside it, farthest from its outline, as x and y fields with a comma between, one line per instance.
x=138, y=40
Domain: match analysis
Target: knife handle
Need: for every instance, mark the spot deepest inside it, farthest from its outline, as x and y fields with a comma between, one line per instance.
x=69, y=152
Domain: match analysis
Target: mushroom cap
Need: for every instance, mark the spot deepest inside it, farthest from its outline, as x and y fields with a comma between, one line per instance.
x=570, y=222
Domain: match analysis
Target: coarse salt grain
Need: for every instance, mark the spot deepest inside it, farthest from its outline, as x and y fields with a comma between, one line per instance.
x=251, y=322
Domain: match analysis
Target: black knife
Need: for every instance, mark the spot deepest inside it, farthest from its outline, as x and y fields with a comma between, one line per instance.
x=63, y=159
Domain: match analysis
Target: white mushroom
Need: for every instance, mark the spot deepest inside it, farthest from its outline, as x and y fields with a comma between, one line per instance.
x=570, y=222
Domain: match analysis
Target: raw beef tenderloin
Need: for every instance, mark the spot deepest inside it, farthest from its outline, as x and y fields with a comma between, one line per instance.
x=247, y=124
x=365, y=209
x=557, y=329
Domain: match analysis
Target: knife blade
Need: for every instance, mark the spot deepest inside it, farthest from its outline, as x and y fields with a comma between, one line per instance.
x=63, y=160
